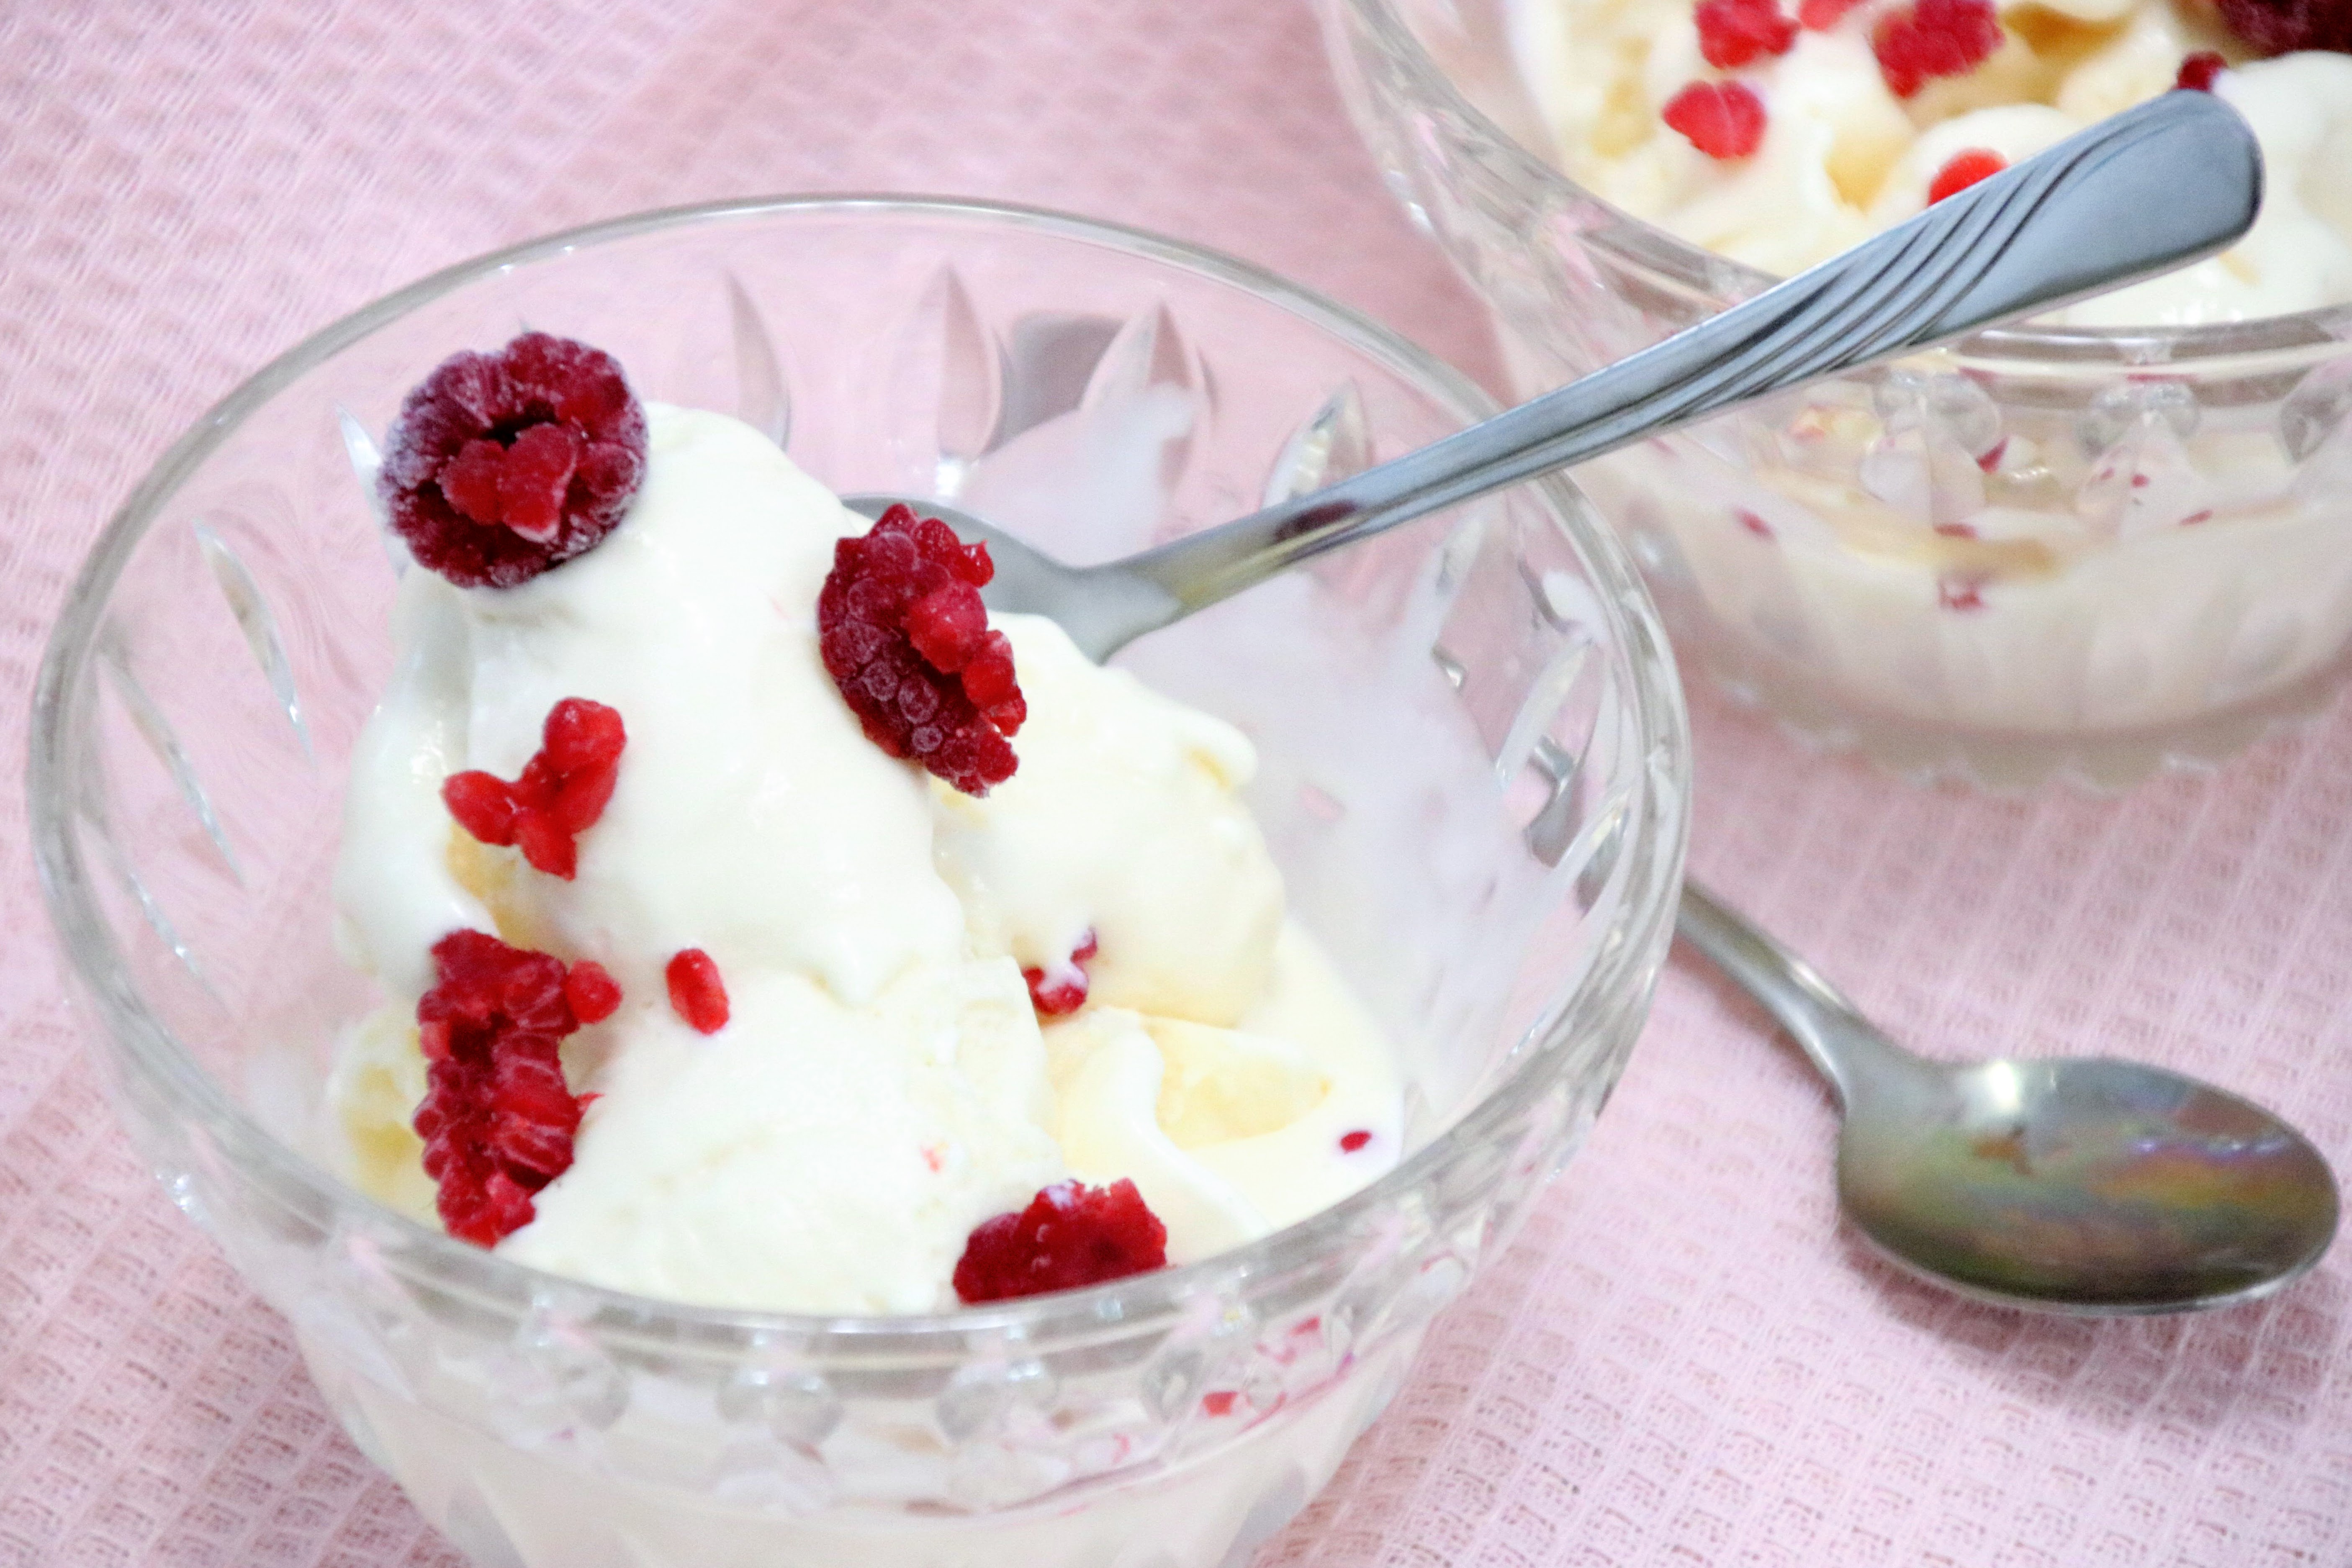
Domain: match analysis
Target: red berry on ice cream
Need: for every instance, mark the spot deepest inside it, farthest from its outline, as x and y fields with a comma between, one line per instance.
x=2283, y=26
x=502, y=466
x=1062, y=989
x=593, y=992
x=1820, y=15
x=1070, y=1236
x=1964, y=169
x=907, y=640
x=697, y=994
x=1723, y=119
x=1933, y=38
x=561, y=792
x=497, y=1118
x=1349, y=1142
x=2198, y=71
x=1731, y=33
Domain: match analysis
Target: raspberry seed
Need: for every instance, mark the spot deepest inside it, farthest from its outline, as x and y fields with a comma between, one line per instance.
x=697, y=994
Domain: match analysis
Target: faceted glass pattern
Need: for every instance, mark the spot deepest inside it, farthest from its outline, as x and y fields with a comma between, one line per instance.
x=1474, y=775
x=2044, y=553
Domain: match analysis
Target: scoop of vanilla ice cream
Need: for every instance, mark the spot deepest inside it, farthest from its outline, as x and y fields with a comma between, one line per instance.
x=882, y=1084
x=1843, y=157
x=1123, y=820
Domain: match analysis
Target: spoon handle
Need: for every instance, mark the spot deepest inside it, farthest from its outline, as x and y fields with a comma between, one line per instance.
x=1845, y=1047
x=2163, y=184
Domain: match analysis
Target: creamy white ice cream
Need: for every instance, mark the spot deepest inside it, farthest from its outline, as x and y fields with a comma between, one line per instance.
x=883, y=1084
x=1842, y=156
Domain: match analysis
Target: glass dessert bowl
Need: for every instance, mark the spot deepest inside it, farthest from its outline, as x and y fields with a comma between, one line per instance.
x=2050, y=551
x=1472, y=777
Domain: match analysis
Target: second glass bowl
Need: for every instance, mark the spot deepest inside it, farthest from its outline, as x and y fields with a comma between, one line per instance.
x=2073, y=552
x=1475, y=775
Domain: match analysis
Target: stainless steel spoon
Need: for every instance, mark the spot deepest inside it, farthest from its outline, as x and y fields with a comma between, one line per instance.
x=2163, y=184
x=2085, y=1185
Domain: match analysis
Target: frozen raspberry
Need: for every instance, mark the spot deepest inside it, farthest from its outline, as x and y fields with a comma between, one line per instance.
x=502, y=466
x=1731, y=33
x=497, y=1118
x=697, y=994
x=2197, y=71
x=1723, y=120
x=562, y=791
x=1070, y=1236
x=1351, y=1142
x=1964, y=169
x=906, y=638
x=2283, y=26
x=1062, y=989
x=1820, y=15
x=593, y=992
x=1933, y=38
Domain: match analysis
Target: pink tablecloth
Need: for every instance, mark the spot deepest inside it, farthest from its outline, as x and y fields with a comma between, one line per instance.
x=1684, y=1361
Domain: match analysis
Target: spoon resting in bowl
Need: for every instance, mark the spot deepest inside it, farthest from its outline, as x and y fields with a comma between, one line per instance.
x=2160, y=186
x=2080, y=1185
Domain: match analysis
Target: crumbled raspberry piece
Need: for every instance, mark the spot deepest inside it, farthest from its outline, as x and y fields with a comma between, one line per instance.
x=593, y=992
x=2198, y=71
x=1351, y=1141
x=497, y=1118
x=562, y=793
x=1933, y=38
x=1731, y=33
x=1820, y=15
x=1964, y=169
x=1062, y=989
x=1723, y=120
x=2283, y=26
x=696, y=992
x=1754, y=524
x=1219, y=1402
x=502, y=466
x=1070, y=1236
x=905, y=636
x=1960, y=593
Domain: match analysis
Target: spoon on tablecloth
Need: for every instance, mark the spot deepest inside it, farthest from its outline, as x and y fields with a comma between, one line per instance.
x=2075, y=1184
x=2107, y=1187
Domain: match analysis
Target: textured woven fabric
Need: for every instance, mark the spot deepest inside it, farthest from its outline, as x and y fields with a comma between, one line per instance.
x=1684, y=1360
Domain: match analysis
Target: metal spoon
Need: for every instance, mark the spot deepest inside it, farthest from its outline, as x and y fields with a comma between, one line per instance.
x=2164, y=183
x=2085, y=1185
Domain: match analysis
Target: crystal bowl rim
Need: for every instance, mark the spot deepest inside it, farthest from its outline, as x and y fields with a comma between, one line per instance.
x=467, y=1271
x=2016, y=349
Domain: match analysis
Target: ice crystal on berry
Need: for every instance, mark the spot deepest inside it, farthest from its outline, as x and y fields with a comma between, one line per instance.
x=1933, y=38
x=906, y=638
x=1964, y=169
x=497, y=1118
x=697, y=994
x=2283, y=26
x=502, y=466
x=1723, y=120
x=1061, y=990
x=1731, y=33
x=1070, y=1236
x=561, y=792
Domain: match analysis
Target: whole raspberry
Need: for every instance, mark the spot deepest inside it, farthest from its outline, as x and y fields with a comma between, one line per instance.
x=502, y=466
x=562, y=791
x=2198, y=71
x=497, y=1118
x=2283, y=26
x=1723, y=120
x=697, y=994
x=1731, y=33
x=1933, y=38
x=1964, y=169
x=906, y=638
x=1069, y=1236
x=1062, y=989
